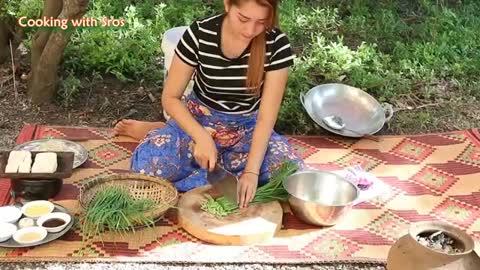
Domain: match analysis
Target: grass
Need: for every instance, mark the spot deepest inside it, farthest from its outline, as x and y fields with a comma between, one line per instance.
x=422, y=56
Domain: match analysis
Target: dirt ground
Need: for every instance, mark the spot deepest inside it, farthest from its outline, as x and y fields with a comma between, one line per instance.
x=101, y=104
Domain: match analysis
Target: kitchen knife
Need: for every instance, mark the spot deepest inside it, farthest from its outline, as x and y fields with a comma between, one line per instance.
x=224, y=182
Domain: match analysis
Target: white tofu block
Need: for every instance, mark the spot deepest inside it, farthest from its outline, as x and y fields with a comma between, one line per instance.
x=26, y=165
x=15, y=158
x=28, y=155
x=45, y=163
x=12, y=167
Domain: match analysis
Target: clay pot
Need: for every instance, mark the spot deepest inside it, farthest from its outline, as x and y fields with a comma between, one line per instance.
x=408, y=254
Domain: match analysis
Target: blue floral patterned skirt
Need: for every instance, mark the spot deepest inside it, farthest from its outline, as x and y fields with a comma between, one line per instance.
x=167, y=152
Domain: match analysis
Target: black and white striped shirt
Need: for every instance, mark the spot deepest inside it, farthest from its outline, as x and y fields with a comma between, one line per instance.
x=220, y=82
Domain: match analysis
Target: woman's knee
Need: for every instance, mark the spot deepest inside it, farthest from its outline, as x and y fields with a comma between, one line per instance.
x=156, y=166
x=160, y=155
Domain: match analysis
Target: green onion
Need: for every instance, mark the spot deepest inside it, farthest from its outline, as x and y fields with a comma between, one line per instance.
x=219, y=207
x=271, y=191
x=115, y=210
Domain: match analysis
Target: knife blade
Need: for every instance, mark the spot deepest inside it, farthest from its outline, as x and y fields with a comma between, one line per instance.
x=224, y=182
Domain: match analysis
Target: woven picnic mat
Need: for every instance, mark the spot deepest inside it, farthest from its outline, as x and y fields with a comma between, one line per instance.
x=432, y=177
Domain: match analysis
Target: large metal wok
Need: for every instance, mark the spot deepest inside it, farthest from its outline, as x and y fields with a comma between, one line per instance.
x=361, y=113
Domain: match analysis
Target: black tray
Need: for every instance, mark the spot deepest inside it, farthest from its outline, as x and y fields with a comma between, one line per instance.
x=64, y=167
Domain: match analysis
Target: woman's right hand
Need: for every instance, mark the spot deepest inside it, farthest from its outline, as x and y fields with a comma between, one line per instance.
x=205, y=152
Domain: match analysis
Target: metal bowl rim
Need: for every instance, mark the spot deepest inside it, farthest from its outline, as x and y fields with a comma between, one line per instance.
x=357, y=190
x=362, y=92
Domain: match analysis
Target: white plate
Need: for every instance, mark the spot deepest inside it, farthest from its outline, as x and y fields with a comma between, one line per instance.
x=48, y=204
x=10, y=214
x=6, y=231
x=38, y=230
x=57, y=215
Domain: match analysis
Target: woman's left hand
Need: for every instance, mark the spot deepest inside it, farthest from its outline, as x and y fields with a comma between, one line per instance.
x=246, y=188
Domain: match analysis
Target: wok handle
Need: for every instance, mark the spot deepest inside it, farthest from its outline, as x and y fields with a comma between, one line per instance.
x=302, y=98
x=388, y=109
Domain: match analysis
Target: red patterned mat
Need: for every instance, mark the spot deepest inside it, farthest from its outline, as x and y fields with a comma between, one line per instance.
x=432, y=177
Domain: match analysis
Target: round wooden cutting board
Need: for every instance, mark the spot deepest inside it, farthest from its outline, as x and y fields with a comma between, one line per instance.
x=254, y=224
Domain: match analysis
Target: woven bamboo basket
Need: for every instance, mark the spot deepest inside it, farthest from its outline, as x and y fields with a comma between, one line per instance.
x=140, y=186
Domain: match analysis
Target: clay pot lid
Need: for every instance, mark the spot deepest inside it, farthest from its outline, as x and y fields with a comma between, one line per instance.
x=455, y=232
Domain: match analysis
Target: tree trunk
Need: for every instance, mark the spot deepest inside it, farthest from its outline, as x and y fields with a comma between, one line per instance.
x=4, y=35
x=51, y=8
x=44, y=78
x=4, y=38
x=7, y=34
x=10, y=33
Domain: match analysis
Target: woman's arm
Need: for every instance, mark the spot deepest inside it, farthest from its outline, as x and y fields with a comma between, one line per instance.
x=273, y=91
x=178, y=77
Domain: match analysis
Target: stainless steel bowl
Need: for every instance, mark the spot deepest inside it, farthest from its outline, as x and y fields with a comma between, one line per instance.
x=319, y=197
x=360, y=111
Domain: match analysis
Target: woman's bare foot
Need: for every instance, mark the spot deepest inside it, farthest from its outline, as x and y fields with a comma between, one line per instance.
x=135, y=129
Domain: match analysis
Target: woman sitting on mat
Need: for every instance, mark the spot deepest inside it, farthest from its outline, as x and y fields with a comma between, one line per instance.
x=241, y=61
